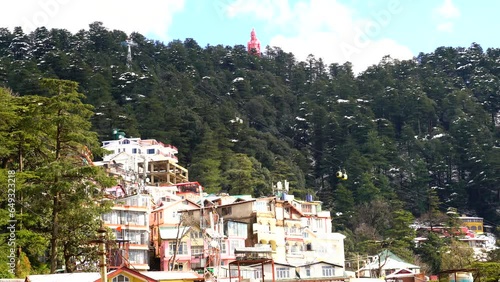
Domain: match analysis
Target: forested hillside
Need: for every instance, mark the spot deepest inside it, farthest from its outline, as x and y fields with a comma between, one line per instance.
x=413, y=136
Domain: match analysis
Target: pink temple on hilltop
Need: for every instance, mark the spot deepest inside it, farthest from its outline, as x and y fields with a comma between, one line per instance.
x=253, y=45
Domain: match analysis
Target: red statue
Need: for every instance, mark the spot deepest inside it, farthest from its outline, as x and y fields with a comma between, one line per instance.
x=253, y=45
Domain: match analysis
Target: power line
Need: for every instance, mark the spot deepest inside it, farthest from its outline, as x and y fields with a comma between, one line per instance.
x=309, y=146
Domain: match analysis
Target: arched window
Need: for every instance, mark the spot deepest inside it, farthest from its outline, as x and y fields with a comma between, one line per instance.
x=121, y=278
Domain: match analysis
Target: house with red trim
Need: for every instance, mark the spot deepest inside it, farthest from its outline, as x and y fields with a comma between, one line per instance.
x=122, y=274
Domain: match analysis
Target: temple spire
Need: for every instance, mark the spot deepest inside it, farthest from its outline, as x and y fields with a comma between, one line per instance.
x=253, y=45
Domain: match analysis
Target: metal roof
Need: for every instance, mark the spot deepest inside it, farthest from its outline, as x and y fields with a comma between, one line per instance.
x=170, y=233
x=65, y=277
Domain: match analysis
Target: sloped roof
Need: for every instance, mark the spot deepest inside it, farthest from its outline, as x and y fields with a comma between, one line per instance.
x=321, y=262
x=85, y=276
x=401, y=273
x=129, y=271
x=171, y=275
x=388, y=260
x=169, y=233
x=64, y=277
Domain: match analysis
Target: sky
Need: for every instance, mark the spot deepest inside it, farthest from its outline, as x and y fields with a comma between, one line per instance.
x=337, y=31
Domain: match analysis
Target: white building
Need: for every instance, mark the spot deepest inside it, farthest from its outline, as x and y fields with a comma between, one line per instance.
x=149, y=148
x=386, y=263
x=129, y=220
x=142, y=168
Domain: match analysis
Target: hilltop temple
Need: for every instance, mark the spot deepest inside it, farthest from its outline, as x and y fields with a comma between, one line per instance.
x=253, y=45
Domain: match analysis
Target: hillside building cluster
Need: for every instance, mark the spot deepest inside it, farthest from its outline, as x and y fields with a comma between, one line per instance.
x=163, y=221
x=166, y=228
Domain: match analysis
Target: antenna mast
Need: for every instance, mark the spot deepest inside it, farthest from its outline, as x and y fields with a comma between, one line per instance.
x=129, y=43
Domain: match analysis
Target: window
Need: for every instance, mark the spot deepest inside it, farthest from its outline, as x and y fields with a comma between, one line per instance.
x=176, y=215
x=262, y=206
x=226, y=210
x=195, y=234
x=235, y=229
x=223, y=248
x=126, y=141
x=138, y=256
x=236, y=244
x=196, y=250
x=309, y=247
x=138, y=237
x=308, y=271
x=151, y=151
x=319, y=223
x=181, y=251
x=307, y=208
x=121, y=278
x=328, y=271
x=282, y=272
x=258, y=274
x=134, y=151
x=177, y=266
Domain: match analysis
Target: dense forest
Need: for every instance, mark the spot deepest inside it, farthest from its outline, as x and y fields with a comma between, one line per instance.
x=415, y=137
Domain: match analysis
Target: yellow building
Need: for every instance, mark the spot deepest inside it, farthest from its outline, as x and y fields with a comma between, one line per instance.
x=475, y=224
x=123, y=274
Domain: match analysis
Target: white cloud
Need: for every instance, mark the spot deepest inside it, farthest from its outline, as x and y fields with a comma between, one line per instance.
x=445, y=27
x=448, y=10
x=277, y=11
x=147, y=16
x=328, y=30
x=444, y=14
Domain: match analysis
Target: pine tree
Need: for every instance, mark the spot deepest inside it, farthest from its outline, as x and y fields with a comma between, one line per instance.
x=206, y=164
x=68, y=185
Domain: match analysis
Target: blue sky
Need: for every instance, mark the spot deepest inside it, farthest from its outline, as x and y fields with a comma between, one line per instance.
x=360, y=31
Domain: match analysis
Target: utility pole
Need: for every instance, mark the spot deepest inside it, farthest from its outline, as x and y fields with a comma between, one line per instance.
x=357, y=270
x=102, y=253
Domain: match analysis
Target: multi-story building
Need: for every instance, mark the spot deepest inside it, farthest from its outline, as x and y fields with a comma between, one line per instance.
x=151, y=161
x=142, y=148
x=297, y=233
x=146, y=171
x=129, y=220
x=158, y=210
x=170, y=234
x=320, y=243
x=202, y=239
x=475, y=224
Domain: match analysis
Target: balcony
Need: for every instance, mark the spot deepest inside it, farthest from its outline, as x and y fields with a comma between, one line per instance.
x=295, y=255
